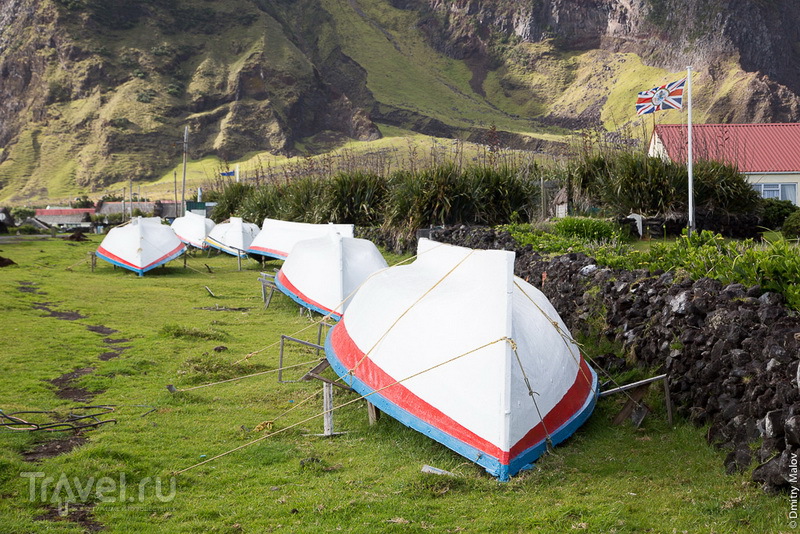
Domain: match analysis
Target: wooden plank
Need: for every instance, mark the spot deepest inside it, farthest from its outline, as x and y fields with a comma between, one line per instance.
x=636, y=395
x=327, y=406
x=321, y=366
x=373, y=413
x=329, y=381
x=668, y=400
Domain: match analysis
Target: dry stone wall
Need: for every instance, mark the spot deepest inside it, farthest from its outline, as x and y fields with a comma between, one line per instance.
x=731, y=352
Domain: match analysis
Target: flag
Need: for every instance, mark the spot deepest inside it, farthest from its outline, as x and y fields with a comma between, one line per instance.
x=227, y=173
x=669, y=96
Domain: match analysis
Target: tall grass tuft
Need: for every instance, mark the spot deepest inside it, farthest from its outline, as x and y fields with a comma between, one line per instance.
x=229, y=199
x=630, y=182
x=356, y=198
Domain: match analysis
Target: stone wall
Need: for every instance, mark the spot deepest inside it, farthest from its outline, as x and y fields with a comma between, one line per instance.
x=731, y=352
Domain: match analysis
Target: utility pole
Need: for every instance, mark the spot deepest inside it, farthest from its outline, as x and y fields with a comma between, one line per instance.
x=185, y=150
x=175, y=179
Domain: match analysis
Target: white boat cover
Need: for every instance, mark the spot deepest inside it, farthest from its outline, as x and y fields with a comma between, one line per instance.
x=233, y=236
x=140, y=245
x=277, y=238
x=448, y=345
x=193, y=229
x=322, y=273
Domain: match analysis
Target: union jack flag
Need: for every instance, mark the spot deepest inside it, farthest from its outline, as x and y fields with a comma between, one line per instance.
x=669, y=96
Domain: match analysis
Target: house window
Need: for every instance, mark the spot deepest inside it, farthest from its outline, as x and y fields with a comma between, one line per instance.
x=778, y=191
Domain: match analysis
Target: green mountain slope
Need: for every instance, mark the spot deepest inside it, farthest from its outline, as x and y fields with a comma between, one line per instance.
x=97, y=92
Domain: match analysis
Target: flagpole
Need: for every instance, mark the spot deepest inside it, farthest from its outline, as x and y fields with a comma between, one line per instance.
x=689, y=158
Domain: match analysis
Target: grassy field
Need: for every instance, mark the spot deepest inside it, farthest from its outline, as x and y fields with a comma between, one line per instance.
x=129, y=336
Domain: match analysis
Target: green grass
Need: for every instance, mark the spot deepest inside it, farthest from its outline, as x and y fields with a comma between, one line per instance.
x=603, y=479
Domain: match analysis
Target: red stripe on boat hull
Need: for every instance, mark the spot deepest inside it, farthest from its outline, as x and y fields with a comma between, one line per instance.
x=371, y=374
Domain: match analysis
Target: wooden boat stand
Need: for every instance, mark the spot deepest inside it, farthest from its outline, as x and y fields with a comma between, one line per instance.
x=634, y=408
x=315, y=373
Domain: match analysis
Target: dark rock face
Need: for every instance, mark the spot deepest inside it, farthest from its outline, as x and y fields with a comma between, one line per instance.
x=731, y=352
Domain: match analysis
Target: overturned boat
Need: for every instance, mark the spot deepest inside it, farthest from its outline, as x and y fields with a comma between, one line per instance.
x=140, y=245
x=456, y=347
x=232, y=236
x=322, y=274
x=193, y=229
x=278, y=238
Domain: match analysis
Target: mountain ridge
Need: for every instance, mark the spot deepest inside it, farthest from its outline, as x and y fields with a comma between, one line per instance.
x=97, y=92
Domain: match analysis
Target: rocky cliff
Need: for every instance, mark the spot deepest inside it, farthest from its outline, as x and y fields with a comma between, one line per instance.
x=94, y=92
x=749, y=43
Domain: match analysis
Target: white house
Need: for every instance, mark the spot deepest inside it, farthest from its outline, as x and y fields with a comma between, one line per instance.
x=767, y=154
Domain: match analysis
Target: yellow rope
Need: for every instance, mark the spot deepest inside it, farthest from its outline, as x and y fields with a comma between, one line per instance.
x=386, y=332
x=325, y=317
x=567, y=339
x=362, y=397
x=249, y=376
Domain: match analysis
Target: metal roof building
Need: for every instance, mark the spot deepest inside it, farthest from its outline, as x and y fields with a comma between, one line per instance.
x=767, y=154
x=66, y=218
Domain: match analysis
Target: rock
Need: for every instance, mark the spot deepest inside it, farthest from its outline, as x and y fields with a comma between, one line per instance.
x=792, y=430
x=771, y=299
x=754, y=291
x=680, y=304
x=771, y=473
x=738, y=460
x=772, y=365
x=731, y=351
x=773, y=424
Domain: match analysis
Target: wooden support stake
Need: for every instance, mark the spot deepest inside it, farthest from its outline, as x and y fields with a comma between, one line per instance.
x=668, y=400
x=373, y=413
x=327, y=406
x=280, y=360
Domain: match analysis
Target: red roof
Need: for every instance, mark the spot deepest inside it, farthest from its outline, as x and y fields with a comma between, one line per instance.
x=70, y=211
x=753, y=148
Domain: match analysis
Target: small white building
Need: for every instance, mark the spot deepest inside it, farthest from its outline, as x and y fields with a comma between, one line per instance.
x=767, y=154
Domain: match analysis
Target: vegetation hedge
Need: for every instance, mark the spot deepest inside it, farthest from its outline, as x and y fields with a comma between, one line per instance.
x=444, y=194
x=772, y=265
x=586, y=228
x=491, y=194
x=631, y=182
x=774, y=212
x=791, y=226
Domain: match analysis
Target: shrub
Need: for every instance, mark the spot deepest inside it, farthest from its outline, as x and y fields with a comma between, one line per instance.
x=27, y=229
x=356, y=198
x=775, y=212
x=304, y=200
x=585, y=228
x=175, y=89
x=230, y=198
x=22, y=213
x=791, y=226
x=146, y=96
x=262, y=202
x=636, y=183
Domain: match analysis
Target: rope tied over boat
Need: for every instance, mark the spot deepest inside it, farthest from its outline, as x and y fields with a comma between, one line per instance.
x=531, y=392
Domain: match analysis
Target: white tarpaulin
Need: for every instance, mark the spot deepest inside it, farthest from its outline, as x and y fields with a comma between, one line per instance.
x=457, y=347
x=277, y=238
x=140, y=245
x=233, y=236
x=322, y=273
x=193, y=229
